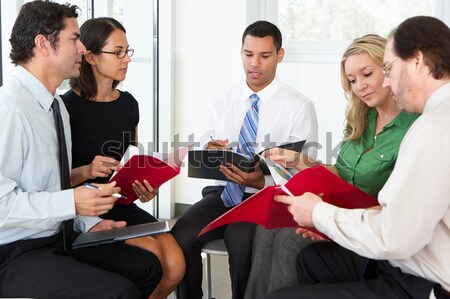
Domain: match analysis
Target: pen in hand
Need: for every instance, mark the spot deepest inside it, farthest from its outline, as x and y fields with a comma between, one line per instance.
x=87, y=185
x=223, y=147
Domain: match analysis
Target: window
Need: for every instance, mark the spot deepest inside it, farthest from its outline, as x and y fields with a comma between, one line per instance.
x=319, y=30
x=305, y=20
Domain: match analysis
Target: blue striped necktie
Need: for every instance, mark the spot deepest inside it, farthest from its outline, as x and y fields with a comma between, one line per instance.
x=232, y=194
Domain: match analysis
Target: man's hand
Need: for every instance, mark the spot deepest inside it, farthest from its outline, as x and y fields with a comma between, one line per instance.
x=301, y=207
x=254, y=179
x=217, y=145
x=107, y=225
x=308, y=234
x=101, y=167
x=144, y=190
x=94, y=202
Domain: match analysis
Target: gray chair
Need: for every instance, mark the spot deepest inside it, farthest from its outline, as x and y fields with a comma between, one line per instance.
x=214, y=247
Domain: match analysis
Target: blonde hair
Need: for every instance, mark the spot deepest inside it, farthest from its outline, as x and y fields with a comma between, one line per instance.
x=373, y=45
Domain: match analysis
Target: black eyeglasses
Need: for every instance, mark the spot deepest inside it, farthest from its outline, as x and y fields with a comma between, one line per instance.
x=387, y=69
x=120, y=53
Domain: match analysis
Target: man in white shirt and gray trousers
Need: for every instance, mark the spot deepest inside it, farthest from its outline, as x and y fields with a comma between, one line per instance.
x=408, y=236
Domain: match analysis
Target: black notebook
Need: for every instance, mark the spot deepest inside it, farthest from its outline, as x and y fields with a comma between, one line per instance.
x=120, y=234
x=205, y=164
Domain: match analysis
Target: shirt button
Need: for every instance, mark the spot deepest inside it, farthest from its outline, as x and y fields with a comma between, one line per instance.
x=381, y=156
x=375, y=137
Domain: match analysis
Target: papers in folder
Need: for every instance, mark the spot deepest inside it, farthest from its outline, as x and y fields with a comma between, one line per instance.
x=120, y=234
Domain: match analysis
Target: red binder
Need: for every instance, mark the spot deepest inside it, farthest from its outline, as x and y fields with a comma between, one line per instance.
x=261, y=209
x=156, y=169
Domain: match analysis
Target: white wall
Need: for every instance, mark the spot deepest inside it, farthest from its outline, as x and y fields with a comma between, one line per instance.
x=320, y=82
x=208, y=40
x=207, y=55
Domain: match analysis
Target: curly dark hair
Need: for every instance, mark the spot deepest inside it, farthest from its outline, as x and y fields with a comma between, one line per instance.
x=38, y=17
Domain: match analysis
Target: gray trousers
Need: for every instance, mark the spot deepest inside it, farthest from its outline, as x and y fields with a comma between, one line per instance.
x=273, y=261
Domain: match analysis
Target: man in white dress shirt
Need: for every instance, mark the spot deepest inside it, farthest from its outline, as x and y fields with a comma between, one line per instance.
x=46, y=49
x=408, y=238
x=284, y=115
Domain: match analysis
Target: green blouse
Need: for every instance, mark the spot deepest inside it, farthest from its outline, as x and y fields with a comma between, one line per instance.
x=367, y=163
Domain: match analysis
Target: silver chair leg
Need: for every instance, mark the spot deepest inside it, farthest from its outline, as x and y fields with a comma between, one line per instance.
x=208, y=275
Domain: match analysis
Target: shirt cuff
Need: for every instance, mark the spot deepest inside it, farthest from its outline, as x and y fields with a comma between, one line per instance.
x=84, y=223
x=63, y=204
x=268, y=181
x=322, y=217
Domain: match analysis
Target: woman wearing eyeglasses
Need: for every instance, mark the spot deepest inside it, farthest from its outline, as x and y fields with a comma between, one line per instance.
x=104, y=123
x=372, y=136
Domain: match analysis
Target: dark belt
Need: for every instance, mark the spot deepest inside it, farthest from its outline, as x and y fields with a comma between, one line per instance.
x=440, y=293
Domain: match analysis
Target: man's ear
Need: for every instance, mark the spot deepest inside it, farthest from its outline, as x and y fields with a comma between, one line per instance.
x=280, y=55
x=42, y=45
x=420, y=63
x=90, y=58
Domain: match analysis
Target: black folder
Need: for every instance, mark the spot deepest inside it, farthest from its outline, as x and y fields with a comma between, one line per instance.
x=205, y=164
x=120, y=234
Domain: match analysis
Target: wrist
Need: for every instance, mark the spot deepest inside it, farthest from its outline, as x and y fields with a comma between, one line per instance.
x=306, y=162
x=86, y=173
x=261, y=183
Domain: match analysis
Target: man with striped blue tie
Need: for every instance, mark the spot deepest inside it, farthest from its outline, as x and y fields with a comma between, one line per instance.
x=259, y=113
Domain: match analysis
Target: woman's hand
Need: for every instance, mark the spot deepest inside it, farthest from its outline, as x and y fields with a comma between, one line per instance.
x=289, y=158
x=284, y=157
x=101, y=167
x=144, y=190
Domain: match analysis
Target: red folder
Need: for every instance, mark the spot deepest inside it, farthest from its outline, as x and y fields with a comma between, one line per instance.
x=146, y=167
x=261, y=209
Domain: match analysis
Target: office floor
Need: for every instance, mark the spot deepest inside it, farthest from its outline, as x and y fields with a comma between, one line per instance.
x=220, y=277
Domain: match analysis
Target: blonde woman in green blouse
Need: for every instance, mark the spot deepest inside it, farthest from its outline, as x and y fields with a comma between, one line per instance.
x=374, y=130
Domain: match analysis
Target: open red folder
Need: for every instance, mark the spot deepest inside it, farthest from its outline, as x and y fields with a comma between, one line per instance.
x=156, y=168
x=262, y=209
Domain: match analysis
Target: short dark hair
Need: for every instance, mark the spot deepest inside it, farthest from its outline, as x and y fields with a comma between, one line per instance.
x=38, y=17
x=428, y=35
x=263, y=29
x=94, y=34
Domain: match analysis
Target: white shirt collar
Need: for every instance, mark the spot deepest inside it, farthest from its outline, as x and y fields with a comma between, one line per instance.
x=437, y=97
x=265, y=94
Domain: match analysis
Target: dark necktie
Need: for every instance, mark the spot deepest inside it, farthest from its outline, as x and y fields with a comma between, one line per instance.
x=233, y=193
x=63, y=170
